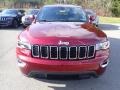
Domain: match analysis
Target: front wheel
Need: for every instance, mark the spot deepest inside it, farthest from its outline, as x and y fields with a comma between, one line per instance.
x=15, y=24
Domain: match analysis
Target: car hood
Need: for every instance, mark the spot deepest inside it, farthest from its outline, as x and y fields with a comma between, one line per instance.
x=65, y=29
x=7, y=15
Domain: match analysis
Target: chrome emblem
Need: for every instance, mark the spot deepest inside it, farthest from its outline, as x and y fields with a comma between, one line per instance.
x=63, y=43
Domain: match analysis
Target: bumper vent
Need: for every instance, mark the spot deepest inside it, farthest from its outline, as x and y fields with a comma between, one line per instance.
x=63, y=52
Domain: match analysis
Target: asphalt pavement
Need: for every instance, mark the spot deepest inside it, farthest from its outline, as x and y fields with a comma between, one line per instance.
x=12, y=79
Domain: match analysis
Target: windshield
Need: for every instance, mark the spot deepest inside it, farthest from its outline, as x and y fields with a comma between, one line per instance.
x=9, y=12
x=63, y=14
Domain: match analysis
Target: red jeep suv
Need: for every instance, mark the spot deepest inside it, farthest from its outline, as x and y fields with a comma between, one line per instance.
x=62, y=41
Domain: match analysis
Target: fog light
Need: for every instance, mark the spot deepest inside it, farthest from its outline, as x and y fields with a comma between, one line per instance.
x=21, y=63
x=104, y=63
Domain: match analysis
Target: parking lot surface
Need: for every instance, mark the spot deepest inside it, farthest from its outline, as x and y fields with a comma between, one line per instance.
x=12, y=79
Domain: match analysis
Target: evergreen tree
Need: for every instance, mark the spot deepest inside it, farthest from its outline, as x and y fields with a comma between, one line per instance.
x=116, y=8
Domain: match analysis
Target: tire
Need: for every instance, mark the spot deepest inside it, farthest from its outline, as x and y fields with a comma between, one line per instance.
x=15, y=24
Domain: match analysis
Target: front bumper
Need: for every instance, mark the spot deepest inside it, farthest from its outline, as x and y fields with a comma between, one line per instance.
x=5, y=23
x=29, y=65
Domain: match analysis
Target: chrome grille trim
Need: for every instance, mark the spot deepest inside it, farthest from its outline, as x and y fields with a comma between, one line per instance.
x=47, y=52
x=66, y=52
x=88, y=51
x=85, y=52
x=3, y=19
x=44, y=52
x=37, y=50
x=50, y=52
x=69, y=52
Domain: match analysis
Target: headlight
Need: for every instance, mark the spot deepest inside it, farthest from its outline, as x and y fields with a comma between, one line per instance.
x=103, y=45
x=23, y=19
x=23, y=45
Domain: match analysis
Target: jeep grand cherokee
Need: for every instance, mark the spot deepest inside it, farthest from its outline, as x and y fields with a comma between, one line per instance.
x=62, y=41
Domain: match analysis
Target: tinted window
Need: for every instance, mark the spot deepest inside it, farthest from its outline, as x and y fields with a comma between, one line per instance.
x=63, y=14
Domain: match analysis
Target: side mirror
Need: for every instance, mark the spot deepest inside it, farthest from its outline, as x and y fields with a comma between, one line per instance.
x=91, y=18
x=33, y=18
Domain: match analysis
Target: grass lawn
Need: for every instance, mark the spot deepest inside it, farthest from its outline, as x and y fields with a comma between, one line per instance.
x=109, y=20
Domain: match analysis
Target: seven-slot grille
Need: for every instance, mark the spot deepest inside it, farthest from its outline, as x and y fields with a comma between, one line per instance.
x=63, y=52
x=3, y=18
